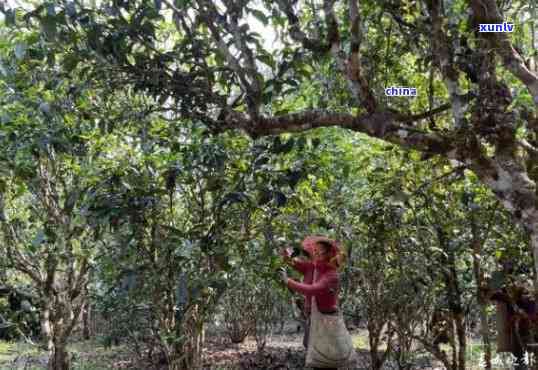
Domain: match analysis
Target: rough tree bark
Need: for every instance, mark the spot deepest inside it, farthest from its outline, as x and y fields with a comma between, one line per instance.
x=458, y=338
x=57, y=273
x=482, y=303
x=378, y=324
x=86, y=320
x=61, y=309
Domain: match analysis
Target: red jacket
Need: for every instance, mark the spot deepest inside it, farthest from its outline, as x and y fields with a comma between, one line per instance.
x=324, y=289
x=307, y=269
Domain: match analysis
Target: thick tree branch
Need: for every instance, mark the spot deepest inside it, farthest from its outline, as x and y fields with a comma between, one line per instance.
x=359, y=83
x=333, y=36
x=382, y=125
x=349, y=67
x=11, y=245
x=528, y=146
x=486, y=11
x=430, y=113
x=23, y=264
x=256, y=79
x=314, y=45
x=211, y=17
x=442, y=54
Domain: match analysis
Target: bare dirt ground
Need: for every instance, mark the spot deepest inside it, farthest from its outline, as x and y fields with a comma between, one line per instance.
x=283, y=351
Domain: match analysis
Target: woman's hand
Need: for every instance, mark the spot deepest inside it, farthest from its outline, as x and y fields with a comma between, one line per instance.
x=285, y=253
x=283, y=276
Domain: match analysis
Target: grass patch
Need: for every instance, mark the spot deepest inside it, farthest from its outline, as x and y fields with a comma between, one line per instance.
x=86, y=355
x=9, y=351
x=360, y=341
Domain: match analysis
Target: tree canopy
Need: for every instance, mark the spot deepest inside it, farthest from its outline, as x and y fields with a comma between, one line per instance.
x=143, y=138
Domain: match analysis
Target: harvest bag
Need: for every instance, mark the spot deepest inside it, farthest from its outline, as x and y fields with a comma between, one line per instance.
x=329, y=344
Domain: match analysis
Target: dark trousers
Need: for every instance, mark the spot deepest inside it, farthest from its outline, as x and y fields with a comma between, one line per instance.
x=306, y=327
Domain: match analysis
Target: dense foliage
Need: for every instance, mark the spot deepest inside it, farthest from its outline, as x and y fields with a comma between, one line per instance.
x=155, y=155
